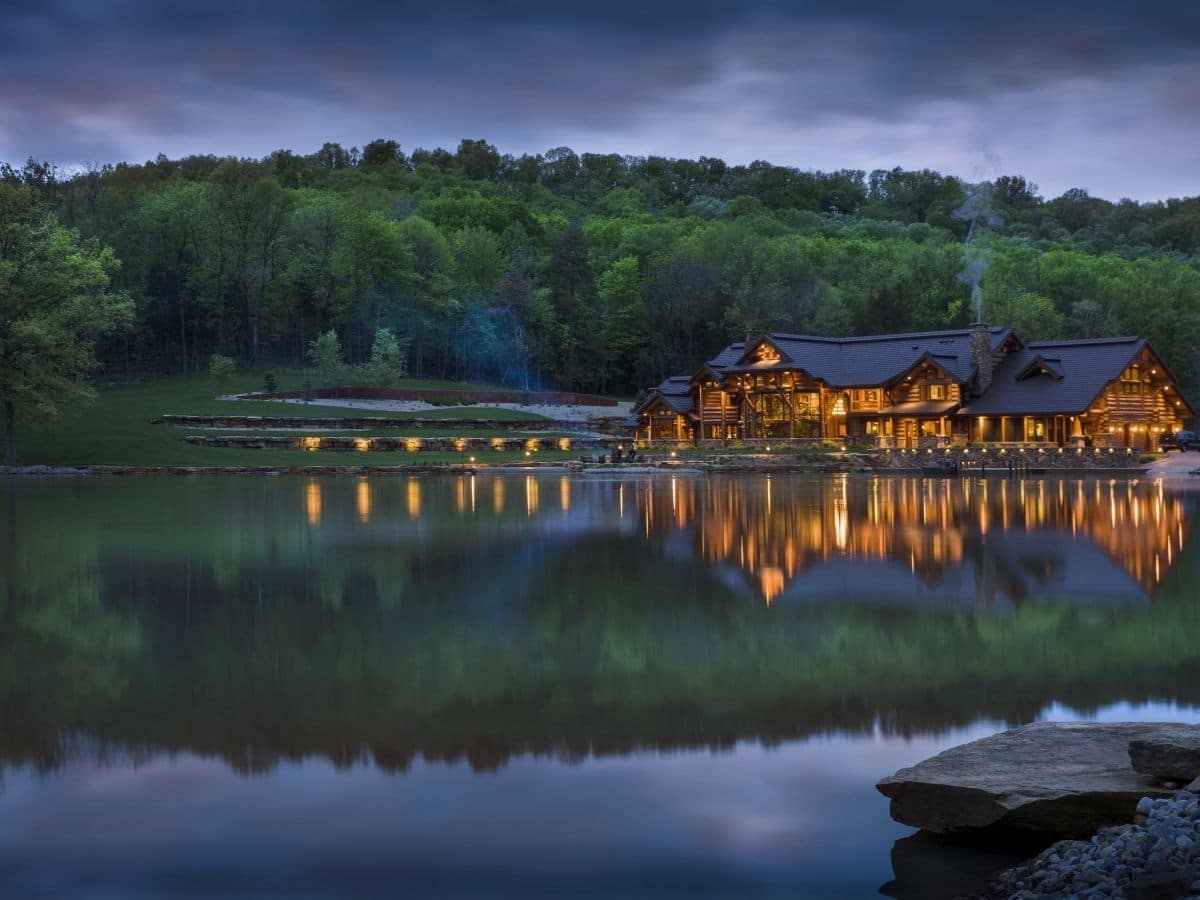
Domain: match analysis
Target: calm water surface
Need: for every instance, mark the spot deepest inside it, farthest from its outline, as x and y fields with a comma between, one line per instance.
x=540, y=687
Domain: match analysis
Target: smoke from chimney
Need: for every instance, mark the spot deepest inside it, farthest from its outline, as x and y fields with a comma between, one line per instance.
x=977, y=212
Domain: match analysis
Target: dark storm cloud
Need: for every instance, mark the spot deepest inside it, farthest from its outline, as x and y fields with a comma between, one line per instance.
x=1099, y=94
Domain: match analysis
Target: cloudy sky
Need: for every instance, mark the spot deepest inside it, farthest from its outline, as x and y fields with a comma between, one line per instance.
x=1098, y=94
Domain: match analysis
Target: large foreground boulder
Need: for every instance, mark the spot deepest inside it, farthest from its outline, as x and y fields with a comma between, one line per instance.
x=1173, y=753
x=1049, y=780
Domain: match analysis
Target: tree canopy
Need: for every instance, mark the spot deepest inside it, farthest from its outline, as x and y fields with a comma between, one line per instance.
x=600, y=271
x=56, y=299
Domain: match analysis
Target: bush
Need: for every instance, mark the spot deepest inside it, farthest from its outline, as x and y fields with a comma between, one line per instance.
x=270, y=383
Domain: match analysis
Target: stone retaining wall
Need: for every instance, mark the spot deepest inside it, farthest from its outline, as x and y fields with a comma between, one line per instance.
x=967, y=459
x=354, y=422
x=401, y=444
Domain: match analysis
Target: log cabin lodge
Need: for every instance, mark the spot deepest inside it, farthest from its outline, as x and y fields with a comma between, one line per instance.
x=979, y=385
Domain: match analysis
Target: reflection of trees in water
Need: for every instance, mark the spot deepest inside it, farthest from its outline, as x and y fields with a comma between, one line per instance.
x=552, y=628
x=61, y=645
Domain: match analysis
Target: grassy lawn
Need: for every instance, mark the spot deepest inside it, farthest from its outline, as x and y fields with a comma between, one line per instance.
x=116, y=429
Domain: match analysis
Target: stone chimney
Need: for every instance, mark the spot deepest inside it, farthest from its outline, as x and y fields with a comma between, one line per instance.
x=981, y=356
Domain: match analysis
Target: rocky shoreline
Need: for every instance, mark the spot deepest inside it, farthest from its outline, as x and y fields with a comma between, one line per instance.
x=826, y=464
x=1109, y=793
x=1156, y=856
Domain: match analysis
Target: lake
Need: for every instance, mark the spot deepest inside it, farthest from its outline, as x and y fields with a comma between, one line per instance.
x=545, y=686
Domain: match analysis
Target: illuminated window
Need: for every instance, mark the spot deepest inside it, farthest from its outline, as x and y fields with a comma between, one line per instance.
x=937, y=392
x=839, y=405
x=872, y=426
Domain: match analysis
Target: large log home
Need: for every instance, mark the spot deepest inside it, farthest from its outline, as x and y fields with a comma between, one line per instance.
x=937, y=388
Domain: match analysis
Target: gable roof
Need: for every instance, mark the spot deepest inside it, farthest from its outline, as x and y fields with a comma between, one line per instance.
x=675, y=392
x=1081, y=369
x=1041, y=365
x=873, y=359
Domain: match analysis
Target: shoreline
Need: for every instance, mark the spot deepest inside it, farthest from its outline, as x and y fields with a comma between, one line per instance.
x=673, y=467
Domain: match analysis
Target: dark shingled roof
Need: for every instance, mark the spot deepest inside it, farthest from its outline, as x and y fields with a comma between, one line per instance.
x=874, y=359
x=728, y=356
x=1082, y=368
x=675, y=392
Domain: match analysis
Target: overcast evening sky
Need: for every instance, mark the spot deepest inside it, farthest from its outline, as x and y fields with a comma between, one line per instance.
x=1099, y=95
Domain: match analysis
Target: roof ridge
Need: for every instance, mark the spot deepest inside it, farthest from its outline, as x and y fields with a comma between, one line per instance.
x=1127, y=339
x=898, y=336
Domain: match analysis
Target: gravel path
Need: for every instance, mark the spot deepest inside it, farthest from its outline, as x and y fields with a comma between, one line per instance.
x=559, y=413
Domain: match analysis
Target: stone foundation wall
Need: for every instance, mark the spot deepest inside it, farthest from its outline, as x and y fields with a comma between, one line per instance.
x=966, y=459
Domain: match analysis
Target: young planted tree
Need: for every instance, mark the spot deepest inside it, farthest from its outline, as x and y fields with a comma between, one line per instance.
x=325, y=354
x=389, y=359
x=221, y=368
x=55, y=301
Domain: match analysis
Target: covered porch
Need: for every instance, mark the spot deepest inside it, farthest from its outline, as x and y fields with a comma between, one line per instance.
x=1057, y=430
x=662, y=420
x=917, y=423
x=778, y=405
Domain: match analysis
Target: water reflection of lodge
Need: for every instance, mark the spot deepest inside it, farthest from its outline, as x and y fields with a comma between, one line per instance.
x=920, y=540
x=896, y=540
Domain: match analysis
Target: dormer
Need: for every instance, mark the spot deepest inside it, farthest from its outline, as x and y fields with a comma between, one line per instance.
x=763, y=352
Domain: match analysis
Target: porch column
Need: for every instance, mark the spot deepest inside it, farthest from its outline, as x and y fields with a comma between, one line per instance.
x=700, y=399
x=821, y=408
x=792, y=410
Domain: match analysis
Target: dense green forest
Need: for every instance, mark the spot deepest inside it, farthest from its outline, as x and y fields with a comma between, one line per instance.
x=599, y=272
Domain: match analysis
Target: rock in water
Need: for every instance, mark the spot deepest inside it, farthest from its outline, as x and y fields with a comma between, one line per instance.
x=1174, y=753
x=1048, y=779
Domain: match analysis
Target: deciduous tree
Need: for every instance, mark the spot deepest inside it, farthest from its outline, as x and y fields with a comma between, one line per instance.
x=56, y=299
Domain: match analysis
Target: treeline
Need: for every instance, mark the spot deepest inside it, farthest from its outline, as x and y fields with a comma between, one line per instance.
x=600, y=272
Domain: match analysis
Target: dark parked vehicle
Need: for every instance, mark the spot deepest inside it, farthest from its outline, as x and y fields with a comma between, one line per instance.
x=1178, y=440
